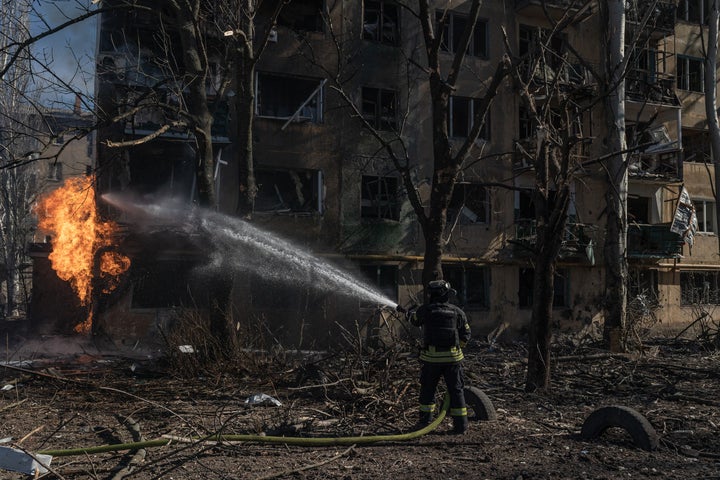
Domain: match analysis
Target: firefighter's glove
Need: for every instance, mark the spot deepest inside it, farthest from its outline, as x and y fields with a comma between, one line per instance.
x=462, y=344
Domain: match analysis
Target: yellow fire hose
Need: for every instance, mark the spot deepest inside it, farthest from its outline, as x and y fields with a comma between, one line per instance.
x=299, y=441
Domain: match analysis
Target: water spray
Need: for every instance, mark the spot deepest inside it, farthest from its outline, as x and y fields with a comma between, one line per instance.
x=241, y=246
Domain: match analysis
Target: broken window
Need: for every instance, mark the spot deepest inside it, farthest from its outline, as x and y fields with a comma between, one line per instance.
x=462, y=118
x=289, y=98
x=471, y=283
x=693, y=11
x=288, y=191
x=380, y=21
x=638, y=209
x=697, y=288
x=643, y=283
x=690, y=74
x=525, y=290
x=379, y=108
x=453, y=30
x=705, y=211
x=526, y=128
x=469, y=204
x=380, y=197
x=302, y=15
x=696, y=146
x=383, y=277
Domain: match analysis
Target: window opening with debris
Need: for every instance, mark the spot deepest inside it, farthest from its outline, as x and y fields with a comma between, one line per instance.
x=289, y=98
x=289, y=191
x=472, y=284
x=470, y=204
x=379, y=108
x=453, y=32
x=55, y=171
x=381, y=22
x=701, y=287
x=380, y=198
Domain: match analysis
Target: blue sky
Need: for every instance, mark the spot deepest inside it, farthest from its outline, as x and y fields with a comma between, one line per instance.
x=70, y=52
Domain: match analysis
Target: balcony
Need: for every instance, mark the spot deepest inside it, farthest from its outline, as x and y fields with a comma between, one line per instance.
x=578, y=243
x=644, y=86
x=653, y=242
x=660, y=161
x=555, y=8
x=566, y=77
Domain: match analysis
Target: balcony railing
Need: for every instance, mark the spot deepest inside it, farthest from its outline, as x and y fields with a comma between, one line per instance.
x=662, y=18
x=652, y=87
x=653, y=242
x=577, y=243
x=661, y=162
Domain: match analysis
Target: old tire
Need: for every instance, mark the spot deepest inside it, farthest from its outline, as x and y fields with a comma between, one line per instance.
x=480, y=404
x=642, y=432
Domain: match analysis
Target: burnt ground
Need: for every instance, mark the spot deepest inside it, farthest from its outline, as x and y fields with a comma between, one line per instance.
x=94, y=398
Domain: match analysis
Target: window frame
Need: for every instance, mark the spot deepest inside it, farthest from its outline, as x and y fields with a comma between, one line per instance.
x=683, y=75
x=692, y=294
x=684, y=12
x=705, y=217
x=472, y=103
x=485, y=205
x=369, y=201
x=381, y=7
x=318, y=93
x=480, y=40
x=377, y=119
x=463, y=279
x=561, y=296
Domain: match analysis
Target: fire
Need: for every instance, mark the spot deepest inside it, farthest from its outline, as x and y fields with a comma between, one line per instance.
x=69, y=214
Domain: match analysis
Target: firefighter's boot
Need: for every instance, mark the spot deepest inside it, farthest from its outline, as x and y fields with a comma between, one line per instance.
x=460, y=425
x=425, y=419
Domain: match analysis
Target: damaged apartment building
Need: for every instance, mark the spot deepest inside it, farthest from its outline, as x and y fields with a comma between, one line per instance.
x=326, y=185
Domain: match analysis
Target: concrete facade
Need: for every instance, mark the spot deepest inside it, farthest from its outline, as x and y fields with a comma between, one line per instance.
x=325, y=184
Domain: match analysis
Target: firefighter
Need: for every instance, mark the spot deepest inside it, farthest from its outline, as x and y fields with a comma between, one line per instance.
x=445, y=333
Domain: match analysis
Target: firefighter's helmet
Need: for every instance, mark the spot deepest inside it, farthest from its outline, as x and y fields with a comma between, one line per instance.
x=440, y=288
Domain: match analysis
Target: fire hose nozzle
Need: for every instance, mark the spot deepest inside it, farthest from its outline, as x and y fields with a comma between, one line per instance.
x=401, y=309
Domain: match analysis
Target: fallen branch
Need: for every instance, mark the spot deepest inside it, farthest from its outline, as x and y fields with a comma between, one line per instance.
x=688, y=398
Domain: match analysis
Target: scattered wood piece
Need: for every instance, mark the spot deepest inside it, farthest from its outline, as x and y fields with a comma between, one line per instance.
x=13, y=405
x=289, y=472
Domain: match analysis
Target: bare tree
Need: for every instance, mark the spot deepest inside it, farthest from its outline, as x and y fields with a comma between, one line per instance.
x=18, y=179
x=615, y=257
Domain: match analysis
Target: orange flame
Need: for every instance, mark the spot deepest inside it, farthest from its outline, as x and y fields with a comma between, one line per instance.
x=69, y=214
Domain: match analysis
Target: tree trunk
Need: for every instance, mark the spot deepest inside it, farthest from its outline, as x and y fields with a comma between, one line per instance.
x=711, y=100
x=244, y=117
x=538, y=371
x=615, y=253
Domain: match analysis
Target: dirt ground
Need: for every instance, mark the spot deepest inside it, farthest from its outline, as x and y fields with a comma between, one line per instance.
x=90, y=398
